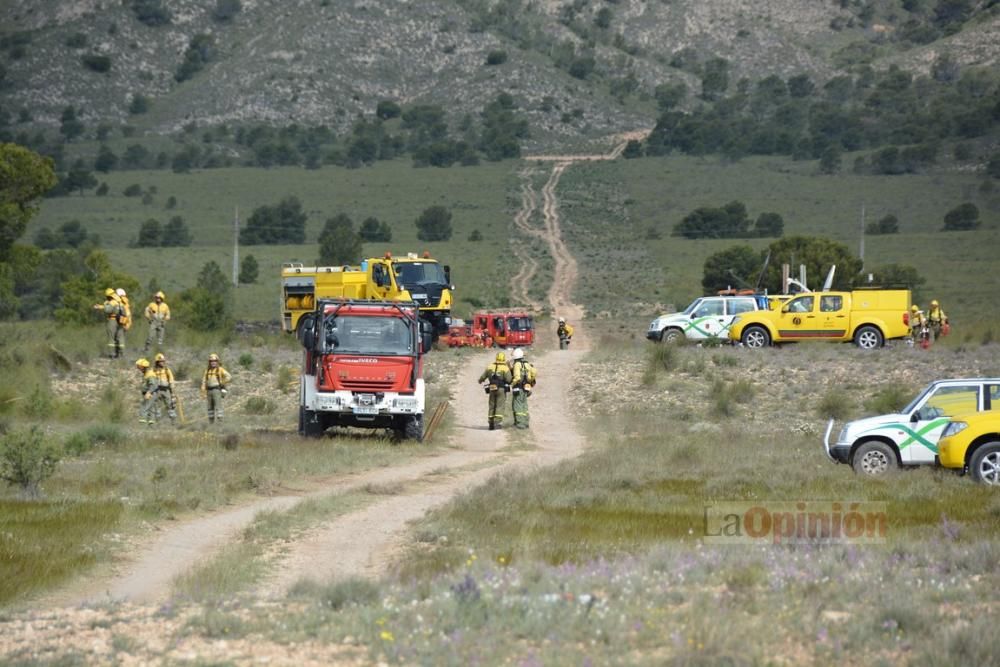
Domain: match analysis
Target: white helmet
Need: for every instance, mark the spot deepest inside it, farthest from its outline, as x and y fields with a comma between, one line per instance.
x=562, y=320
x=120, y=292
x=518, y=354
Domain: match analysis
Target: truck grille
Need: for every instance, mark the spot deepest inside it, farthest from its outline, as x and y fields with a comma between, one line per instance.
x=361, y=384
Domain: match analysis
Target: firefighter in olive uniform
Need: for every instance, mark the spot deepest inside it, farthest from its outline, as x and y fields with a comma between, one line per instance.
x=157, y=314
x=148, y=389
x=565, y=333
x=213, y=387
x=165, y=386
x=524, y=377
x=936, y=318
x=496, y=379
x=115, y=315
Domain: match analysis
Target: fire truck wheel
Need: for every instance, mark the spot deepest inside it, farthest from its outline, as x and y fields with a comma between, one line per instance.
x=414, y=429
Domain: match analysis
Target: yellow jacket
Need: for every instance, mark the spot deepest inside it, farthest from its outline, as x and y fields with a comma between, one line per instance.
x=165, y=377
x=215, y=377
x=565, y=330
x=158, y=311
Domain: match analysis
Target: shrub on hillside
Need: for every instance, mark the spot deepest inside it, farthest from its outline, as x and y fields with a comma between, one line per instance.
x=96, y=62
x=962, y=218
x=27, y=459
x=338, y=244
x=284, y=222
x=374, y=231
x=175, y=233
x=434, y=224
x=226, y=10
x=248, y=270
x=887, y=225
x=151, y=12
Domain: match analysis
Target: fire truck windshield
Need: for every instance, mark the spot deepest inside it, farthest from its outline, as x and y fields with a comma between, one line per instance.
x=420, y=273
x=519, y=323
x=352, y=334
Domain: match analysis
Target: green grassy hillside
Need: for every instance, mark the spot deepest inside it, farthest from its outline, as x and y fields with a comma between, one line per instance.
x=608, y=210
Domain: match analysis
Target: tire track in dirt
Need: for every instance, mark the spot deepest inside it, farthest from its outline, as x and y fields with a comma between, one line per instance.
x=521, y=282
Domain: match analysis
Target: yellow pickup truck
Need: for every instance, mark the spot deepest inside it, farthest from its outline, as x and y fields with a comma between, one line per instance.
x=866, y=317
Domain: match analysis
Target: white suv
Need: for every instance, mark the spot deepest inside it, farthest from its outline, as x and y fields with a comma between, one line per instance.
x=877, y=445
x=707, y=317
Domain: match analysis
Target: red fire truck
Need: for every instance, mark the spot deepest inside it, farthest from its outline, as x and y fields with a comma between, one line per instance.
x=494, y=328
x=363, y=367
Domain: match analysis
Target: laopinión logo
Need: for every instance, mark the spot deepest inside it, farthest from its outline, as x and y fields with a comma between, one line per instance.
x=796, y=522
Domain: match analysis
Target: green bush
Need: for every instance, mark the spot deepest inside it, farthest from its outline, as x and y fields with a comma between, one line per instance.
x=889, y=399
x=835, y=404
x=26, y=460
x=245, y=360
x=258, y=405
x=82, y=442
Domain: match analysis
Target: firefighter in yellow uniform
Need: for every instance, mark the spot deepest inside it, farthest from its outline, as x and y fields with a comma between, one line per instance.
x=496, y=379
x=157, y=314
x=936, y=318
x=165, y=386
x=917, y=323
x=148, y=390
x=213, y=387
x=114, y=314
x=524, y=379
x=565, y=333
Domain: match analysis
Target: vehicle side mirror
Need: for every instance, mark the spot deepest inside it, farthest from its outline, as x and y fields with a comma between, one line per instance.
x=784, y=309
x=447, y=274
x=308, y=338
x=915, y=417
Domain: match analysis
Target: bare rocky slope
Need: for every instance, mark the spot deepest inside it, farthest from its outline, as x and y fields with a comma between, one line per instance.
x=318, y=62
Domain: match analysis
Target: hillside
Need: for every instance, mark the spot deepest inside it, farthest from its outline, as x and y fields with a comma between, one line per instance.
x=314, y=62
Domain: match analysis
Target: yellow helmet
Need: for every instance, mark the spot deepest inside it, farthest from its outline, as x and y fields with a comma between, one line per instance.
x=914, y=308
x=213, y=357
x=109, y=292
x=142, y=363
x=160, y=295
x=501, y=357
x=159, y=357
x=934, y=302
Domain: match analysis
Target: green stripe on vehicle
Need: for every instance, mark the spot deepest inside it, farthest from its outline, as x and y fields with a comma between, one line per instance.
x=914, y=436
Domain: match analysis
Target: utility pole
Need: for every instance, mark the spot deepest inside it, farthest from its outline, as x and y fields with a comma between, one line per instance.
x=236, y=247
x=861, y=252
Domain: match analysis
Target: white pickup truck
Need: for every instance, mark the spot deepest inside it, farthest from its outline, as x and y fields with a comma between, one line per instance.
x=877, y=445
x=706, y=317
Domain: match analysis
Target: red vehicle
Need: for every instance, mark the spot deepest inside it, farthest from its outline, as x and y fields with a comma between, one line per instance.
x=363, y=367
x=494, y=328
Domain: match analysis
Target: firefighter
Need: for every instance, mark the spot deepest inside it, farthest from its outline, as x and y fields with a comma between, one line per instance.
x=147, y=390
x=115, y=324
x=496, y=380
x=918, y=325
x=565, y=332
x=126, y=307
x=165, y=386
x=936, y=319
x=524, y=380
x=213, y=387
x=157, y=314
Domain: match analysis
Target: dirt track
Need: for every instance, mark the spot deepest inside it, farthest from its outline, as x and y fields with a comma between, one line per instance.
x=363, y=542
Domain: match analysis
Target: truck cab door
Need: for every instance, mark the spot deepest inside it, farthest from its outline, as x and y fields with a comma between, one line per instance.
x=500, y=331
x=798, y=319
x=833, y=315
x=707, y=320
x=927, y=421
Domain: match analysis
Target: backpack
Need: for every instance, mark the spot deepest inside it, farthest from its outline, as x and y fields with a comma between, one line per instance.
x=528, y=373
x=125, y=319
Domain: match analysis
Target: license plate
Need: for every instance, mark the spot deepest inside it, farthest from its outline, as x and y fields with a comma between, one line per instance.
x=365, y=410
